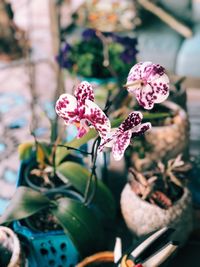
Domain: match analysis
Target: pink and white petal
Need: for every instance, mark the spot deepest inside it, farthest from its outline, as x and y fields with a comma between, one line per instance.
x=153, y=72
x=137, y=77
x=82, y=131
x=141, y=129
x=84, y=91
x=121, y=142
x=97, y=118
x=133, y=119
x=66, y=108
x=146, y=97
x=161, y=88
x=137, y=72
x=109, y=140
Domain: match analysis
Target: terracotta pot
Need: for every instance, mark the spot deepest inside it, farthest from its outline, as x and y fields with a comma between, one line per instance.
x=142, y=217
x=10, y=242
x=165, y=142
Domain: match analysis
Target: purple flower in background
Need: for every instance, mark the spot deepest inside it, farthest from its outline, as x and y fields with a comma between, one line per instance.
x=120, y=138
x=63, y=57
x=126, y=41
x=149, y=83
x=89, y=34
x=81, y=110
x=128, y=55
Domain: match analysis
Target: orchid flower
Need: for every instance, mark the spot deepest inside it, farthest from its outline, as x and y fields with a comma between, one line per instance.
x=81, y=110
x=120, y=138
x=149, y=83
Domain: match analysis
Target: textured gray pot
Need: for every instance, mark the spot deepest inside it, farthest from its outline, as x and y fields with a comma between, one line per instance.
x=165, y=142
x=142, y=217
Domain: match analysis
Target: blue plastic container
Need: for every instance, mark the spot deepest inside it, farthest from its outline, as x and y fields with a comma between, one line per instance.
x=53, y=248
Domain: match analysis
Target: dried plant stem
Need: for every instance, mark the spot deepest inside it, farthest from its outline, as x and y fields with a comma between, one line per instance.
x=166, y=17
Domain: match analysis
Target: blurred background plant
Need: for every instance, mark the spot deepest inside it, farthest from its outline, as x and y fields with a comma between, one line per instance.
x=98, y=55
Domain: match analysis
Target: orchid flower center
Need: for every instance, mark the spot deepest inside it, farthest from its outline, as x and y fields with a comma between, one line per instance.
x=137, y=83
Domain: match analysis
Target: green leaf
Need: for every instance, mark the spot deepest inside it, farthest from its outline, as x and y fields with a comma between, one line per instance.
x=62, y=152
x=24, y=203
x=43, y=153
x=80, y=223
x=158, y=115
x=25, y=150
x=78, y=177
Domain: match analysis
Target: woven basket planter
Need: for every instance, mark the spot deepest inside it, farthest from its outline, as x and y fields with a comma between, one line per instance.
x=142, y=217
x=167, y=141
x=10, y=242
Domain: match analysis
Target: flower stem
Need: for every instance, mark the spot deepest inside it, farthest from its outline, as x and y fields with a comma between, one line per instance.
x=73, y=148
x=87, y=196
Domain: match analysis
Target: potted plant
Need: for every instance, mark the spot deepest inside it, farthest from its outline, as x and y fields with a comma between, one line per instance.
x=158, y=198
x=58, y=169
x=10, y=249
x=103, y=59
x=96, y=205
x=168, y=137
x=55, y=210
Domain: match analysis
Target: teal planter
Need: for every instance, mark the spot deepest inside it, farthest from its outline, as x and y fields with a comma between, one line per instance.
x=53, y=248
x=45, y=249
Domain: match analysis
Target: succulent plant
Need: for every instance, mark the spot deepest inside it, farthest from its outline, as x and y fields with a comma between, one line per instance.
x=163, y=185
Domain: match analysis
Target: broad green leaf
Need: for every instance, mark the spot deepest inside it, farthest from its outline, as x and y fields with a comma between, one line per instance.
x=25, y=150
x=62, y=152
x=78, y=176
x=40, y=154
x=80, y=223
x=43, y=152
x=24, y=203
x=154, y=116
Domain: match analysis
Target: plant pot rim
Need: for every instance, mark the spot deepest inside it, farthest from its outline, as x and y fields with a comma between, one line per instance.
x=185, y=194
x=174, y=107
x=27, y=170
x=16, y=246
x=98, y=80
x=69, y=193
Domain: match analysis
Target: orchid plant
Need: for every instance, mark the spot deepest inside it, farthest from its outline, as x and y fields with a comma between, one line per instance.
x=80, y=218
x=148, y=82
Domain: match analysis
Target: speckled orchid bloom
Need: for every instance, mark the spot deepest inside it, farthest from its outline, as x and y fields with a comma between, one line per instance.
x=120, y=138
x=81, y=110
x=149, y=83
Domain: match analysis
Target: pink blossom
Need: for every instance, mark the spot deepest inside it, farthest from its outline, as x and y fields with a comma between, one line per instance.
x=81, y=110
x=149, y=83
x=120, y=138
